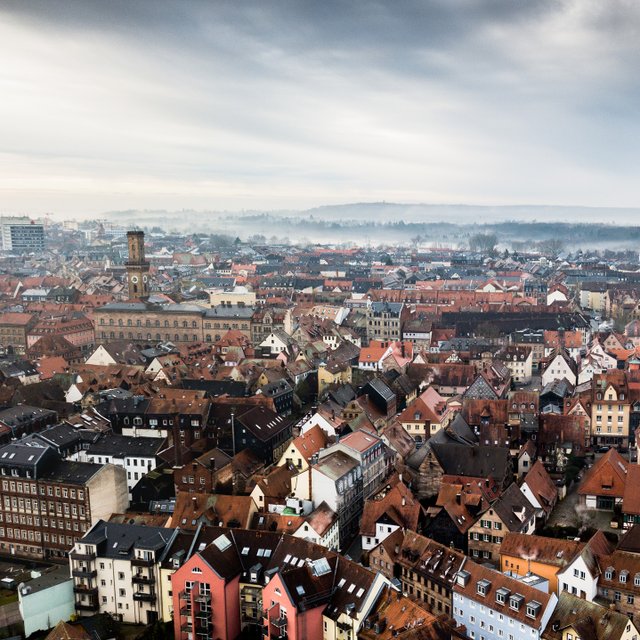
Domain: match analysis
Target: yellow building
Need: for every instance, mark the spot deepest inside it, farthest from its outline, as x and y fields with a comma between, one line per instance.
x=610, y=408
x=333, y=374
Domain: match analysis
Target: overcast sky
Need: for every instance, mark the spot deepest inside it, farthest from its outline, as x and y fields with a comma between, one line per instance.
x=229, y=105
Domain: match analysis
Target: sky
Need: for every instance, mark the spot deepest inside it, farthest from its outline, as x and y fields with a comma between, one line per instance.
x=117, y=105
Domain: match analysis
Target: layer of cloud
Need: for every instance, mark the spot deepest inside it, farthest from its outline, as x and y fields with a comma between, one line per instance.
x=292, y=104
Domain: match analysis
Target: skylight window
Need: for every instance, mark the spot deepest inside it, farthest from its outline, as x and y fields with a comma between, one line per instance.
x=222, y=542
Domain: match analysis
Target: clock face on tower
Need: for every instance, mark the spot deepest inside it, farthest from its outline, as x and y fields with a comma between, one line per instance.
x=134, y=279
x=144, y=278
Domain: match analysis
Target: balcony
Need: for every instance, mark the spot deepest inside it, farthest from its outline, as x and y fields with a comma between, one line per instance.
x=85, y=589
x=204, y=615
x=203, y=597
x=185, y=628
x=280, y=623
x=139, y=578
x=142, y=562
x=87, y=557
x=144, y=597
x=87, y=606
x=84, y=573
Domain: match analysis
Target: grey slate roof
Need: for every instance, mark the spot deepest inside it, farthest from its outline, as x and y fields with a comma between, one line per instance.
x=477, y=462
x=119, y=541
x=126, y=446
x=69, y=472
x=23, y=414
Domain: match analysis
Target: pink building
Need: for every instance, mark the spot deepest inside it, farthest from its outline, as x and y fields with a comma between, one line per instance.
x=294, y=600
x=206, y=601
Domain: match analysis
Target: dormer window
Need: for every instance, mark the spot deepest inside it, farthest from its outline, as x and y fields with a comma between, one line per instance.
x=515, y=601
x=533, y=608
x=623, y=576
x=482, y=587
x=636, y=580
x=501, y=595
x=608, y=574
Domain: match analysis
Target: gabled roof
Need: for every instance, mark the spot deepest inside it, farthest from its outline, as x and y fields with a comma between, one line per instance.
x=398, y=505
x=556, y=552
x=631, y=497
x=65, y=631
x=513, y=508
x=310, y=442
x=607, y=477
x=542, y=486
x=588, y=620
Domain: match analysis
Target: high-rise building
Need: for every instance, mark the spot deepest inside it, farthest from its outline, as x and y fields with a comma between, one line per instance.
x=21, y=235
x=137, y=267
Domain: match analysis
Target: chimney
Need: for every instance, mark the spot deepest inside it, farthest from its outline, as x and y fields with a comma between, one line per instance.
x=458, y=498
x=212, y=464
x=404, y=501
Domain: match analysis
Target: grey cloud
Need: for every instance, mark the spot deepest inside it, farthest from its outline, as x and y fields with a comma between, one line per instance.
x=454, y=101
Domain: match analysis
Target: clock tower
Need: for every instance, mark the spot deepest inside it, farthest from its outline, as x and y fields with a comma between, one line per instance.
x=137, y=267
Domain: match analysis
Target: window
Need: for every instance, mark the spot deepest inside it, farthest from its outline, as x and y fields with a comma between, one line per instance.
x=501, y=595
x=482, y=587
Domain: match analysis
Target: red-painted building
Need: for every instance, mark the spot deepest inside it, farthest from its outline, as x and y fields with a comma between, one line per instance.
x=206, y=600
x=294, y=601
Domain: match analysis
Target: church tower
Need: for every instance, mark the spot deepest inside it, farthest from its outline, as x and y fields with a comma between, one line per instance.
x=137, y=267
